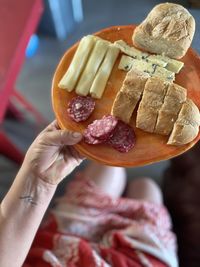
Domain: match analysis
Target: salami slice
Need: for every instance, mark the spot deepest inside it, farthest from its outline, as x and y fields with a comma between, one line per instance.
x=123, y=137
x=102, y=129
x=80, y=108
x=89, y=139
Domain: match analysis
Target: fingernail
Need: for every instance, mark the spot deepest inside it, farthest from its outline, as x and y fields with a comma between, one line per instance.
x=76, y=135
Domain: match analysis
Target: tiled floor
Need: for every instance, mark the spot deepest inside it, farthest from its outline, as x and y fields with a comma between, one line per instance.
x=36, y=75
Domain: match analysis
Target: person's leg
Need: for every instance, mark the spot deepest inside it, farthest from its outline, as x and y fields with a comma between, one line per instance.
x=144, y=189
x=111, y=180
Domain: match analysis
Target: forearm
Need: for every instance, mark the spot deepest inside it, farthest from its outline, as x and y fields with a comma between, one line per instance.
x=21, y=213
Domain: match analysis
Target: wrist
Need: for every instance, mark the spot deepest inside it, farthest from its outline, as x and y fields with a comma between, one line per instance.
x=32, y=172
x=28, y=193
x=29, y=173
x=36, y=192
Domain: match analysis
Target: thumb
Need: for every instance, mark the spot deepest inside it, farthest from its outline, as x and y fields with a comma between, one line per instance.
x=61, y=137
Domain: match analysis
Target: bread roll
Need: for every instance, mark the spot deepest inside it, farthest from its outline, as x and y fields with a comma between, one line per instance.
x=168, y=29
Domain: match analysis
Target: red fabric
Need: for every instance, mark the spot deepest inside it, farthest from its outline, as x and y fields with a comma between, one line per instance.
x=90, y=229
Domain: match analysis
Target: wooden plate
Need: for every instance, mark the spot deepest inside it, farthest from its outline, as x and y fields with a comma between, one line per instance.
x=149, y=148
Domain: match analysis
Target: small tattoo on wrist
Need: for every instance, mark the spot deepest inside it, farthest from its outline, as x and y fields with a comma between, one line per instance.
x=28, y=199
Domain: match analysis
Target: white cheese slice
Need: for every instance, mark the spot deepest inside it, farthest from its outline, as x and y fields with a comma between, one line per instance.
x=128, y=63
x=160, y=60
x=172, y=64
x=125, y=63
x=137, y=54
x=130, y=50
x=101, y=78
x=163, y=73
x=79, y=60
x=95, y=60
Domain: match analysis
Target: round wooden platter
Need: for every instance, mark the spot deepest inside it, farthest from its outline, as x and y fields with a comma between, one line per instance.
x=149, y=148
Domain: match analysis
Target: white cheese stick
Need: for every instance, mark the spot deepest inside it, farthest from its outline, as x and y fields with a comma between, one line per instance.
x=87, y=77
x=79, y=60
x=103, y=74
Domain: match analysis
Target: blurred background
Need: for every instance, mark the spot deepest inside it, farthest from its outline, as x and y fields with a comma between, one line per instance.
x=35, y=35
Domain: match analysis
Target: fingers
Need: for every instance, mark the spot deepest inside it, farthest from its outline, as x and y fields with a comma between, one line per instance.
x=61, y=137
x=52, y=126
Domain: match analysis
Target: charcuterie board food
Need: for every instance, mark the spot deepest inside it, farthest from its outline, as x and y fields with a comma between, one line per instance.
x=134, y=104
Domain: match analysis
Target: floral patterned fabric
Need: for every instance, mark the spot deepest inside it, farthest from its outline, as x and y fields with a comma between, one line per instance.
x=90, y=229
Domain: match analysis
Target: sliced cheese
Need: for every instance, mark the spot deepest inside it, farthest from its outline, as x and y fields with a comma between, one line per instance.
x=154, y=70
x=163, y=73
x=79, y=60
x=160, y=60
x=101, y=78
x=95, y=60
x=128, y=50
x=125, y=63
x=137, y=54
x=171, y=64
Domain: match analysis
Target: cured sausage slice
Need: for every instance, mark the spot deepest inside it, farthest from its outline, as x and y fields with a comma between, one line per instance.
x=102, y=129
x=80, y=108
x=89, y=139
x=123, y=137
x=111, y=131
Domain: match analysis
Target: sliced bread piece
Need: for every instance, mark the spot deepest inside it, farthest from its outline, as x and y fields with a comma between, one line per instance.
x=129, y=95
x=150, y=104
x=173, y=101
x=123, y=106
x=186, y=128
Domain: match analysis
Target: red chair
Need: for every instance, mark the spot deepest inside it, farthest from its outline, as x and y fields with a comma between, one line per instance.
x=18, y=21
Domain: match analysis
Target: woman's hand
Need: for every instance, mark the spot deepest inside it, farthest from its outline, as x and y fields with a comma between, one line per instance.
x=51, y=156
x=49, y=159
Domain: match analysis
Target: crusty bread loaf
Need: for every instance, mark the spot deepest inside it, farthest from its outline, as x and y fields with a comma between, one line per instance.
x=186, y=128
x=168, y=29
x=163, y=107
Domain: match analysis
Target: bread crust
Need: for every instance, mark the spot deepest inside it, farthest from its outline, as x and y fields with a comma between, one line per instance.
x=163, y=108
x=186, y=128
x=123, y=106
x=168, y=113
x=129, y=95
x=168, y=29
x=150, y=104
